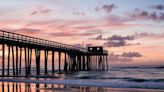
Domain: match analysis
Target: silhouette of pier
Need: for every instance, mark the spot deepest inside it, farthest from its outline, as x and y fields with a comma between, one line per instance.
x=18, y=49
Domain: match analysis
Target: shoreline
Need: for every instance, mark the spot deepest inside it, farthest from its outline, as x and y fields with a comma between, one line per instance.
x=120, y=87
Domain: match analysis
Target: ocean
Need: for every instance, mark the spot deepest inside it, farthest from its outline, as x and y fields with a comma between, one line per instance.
x=116, y=79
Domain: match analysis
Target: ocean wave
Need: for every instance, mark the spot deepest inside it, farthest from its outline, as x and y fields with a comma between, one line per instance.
x=143, y=80
x=141, y=67
x=134, y=79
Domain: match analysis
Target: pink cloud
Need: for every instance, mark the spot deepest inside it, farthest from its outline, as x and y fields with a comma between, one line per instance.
x=61, y=34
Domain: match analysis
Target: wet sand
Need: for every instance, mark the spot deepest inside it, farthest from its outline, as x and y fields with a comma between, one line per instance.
x=98, y=89
x=33, y=87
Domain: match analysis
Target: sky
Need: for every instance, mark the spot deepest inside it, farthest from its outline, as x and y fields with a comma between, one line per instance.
x=131, y=30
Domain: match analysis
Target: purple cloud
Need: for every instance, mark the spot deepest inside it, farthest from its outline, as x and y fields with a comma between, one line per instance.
x=124, y=57
x=112, y=43
x=137, y=13
x=108, y=8
x=142, y=14
x=131, y=54
x=158, y=7
x=161, y=17
x=117, y=37
x=149, y=35
x=116, y=40
x=97, y=9
x=99, y=37
x=83, y=45
x=119, y=41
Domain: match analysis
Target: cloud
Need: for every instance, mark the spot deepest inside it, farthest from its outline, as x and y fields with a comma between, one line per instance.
x=131, y=54
x=148, y=35
x=120, y=41
x=112, y=43
x=40, y=10
x=106, y=7
x=137, y=13
x=61, y=34
x=24, y=31
x=116, y=40
x=99, y=37
x=124, y=57
x=115, y=37
x=118, y=37
x=161, y=17
x=158, y=7
x=145, y=15
x=74, y=33
x=76, y=12
x=97, y=9
x=83, y=45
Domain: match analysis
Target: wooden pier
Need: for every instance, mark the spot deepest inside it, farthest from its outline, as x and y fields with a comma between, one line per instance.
x=20, y=49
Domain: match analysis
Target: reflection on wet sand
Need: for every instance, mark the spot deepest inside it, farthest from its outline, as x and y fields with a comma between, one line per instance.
x=31, y=87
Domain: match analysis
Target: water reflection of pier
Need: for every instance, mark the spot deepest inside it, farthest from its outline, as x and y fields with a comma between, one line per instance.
x=30, y=87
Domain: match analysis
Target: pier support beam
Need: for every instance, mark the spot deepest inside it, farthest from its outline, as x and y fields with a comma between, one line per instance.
x=79, y=62
x=53, y=62
x=29, y=60
x=16, y=60
x=37, y=54
x=100, y=63
x=3, y=59
x=13, y=61
x=74, y=66
x=69, y=62
x=103, y=62
x=46, y=60
x=97, y=62
x=88, y=62
x=26, y=64
x=65, y=61
x=84, y=62
x=59, y=61
x=8, y=70
x=106, y=62
x=20, y=60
